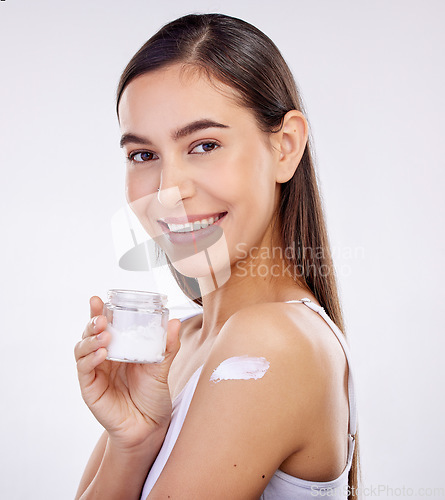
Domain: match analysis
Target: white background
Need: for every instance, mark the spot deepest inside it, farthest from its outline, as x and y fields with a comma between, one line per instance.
x=372, y=78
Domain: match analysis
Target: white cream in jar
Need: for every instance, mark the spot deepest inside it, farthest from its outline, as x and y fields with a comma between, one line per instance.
x=137, y=321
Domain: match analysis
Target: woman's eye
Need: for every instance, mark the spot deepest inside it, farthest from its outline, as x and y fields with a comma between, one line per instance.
x=205, y=147
x=141, y=156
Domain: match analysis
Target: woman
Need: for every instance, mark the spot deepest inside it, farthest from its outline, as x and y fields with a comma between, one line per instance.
x=219, y=172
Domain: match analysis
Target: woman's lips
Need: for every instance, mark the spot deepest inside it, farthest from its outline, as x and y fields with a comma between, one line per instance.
x=204, y=237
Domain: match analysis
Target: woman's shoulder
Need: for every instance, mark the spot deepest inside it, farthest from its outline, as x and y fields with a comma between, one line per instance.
x=300, y=351
x=303, y=354
x=290, y=330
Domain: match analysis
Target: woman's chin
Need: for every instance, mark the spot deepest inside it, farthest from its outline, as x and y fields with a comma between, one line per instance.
x=205, y=266
x=194, y=266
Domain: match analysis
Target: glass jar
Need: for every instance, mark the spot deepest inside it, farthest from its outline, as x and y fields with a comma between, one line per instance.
x=137, y=322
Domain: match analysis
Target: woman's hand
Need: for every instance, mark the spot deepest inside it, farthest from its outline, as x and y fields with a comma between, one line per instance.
x=130, y=400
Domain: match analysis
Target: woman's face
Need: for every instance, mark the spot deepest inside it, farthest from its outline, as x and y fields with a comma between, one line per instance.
x=195, y=156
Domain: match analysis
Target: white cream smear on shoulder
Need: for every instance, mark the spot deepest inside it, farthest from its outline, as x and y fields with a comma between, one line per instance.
x=240, y=368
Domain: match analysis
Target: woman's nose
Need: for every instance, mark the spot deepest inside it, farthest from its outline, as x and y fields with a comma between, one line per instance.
x=169, y=197
x=175, y=185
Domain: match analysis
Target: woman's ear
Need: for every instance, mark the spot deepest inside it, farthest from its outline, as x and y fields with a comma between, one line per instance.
x=290, y=142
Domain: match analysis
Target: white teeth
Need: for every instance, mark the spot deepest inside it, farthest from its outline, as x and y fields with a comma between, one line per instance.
x=193, y=226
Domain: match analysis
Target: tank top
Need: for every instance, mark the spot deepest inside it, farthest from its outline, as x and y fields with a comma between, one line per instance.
x=282, y=486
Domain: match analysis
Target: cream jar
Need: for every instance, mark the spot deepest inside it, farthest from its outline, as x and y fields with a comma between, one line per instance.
x=137, y=321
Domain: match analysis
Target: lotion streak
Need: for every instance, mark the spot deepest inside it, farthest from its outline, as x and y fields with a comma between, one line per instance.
x=240, y=368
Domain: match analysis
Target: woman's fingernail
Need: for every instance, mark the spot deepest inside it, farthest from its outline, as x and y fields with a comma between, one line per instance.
x=100, y=336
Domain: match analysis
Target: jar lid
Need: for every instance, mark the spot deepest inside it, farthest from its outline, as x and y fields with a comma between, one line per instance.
x=136, y=298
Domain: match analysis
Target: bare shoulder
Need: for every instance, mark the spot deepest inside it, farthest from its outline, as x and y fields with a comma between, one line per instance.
x=304, y=356
x=288, y=330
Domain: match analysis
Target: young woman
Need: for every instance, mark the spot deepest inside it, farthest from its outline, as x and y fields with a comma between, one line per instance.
x=219, y=172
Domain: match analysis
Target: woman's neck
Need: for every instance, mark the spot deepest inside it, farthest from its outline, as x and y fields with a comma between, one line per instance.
x=259, y=280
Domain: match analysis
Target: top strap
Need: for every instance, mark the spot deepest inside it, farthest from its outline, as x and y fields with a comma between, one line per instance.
x=338, y=333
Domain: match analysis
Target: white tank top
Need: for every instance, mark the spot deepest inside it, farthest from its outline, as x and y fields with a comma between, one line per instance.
x=282, y=486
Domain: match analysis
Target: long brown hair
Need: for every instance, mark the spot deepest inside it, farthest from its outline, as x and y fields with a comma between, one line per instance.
x=241, y=56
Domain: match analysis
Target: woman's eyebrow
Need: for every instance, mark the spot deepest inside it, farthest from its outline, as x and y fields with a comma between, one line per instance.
x=176, y=135
x=195, y=126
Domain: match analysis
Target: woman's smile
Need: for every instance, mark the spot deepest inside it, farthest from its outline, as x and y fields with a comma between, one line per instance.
x=191, y=223
x=194, y=229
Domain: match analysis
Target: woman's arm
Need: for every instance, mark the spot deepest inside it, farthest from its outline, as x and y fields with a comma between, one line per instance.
x=113, y=473
x=133, y=404
x=93, y=464
x=238, y=432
